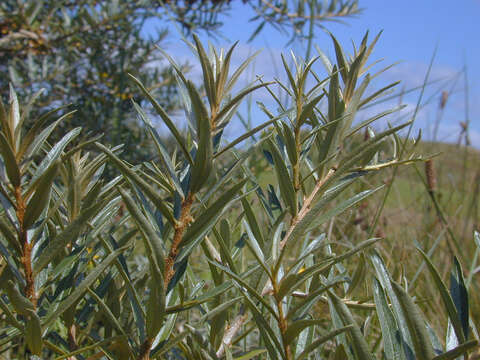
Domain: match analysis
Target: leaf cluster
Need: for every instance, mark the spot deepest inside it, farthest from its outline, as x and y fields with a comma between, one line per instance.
x=191, y=255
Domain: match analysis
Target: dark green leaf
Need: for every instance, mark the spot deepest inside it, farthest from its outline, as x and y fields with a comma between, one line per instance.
x=41, y=197
x=79, y=290
x=359, y=344
x=391, y=343
x=204, y=156
x=459, y=350
x=446, y=299
x=148, y=190
x=416, y=325
x=323, y=339
x=459, y=294
x=166, y=119
x=68, y=235
x=204, y=223
x=284, y=180
x=13, y=171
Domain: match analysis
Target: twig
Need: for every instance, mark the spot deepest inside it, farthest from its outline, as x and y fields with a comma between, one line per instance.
x=306, y=207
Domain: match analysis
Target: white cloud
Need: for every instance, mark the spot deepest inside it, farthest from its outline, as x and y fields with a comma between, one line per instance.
x=412, y=74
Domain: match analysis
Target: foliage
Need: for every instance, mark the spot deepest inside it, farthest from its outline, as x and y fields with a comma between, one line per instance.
x=81, y=51
x=190, y=257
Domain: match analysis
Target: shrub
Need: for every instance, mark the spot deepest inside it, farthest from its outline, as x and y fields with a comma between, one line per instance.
x=190, y=256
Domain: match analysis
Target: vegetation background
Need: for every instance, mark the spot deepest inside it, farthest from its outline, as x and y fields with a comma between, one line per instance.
x=94, y=57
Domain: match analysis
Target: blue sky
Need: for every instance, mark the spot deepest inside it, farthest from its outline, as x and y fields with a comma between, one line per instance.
x=411, y=31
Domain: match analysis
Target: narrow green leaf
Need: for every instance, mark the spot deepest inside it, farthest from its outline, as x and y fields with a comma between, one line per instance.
x=13, y=171
x=9, y=315
x=359, y=344
x=155, y=308
x=33, y=333
x=292, y=280
x=341, y=60
x=353, y=75
x=359, y=152
x=335, y=112
x=296, y=327
x=69, y=234
x=107, y=312
x=34, y=131
x=301, y=308
x=79, y=290
x=204, y=223
x=166, y=119
x=308, y=109
x=416, y=325
x=291, y=79
x=151, y=238
x=354, y=129
x=353, y=105
x=149, y=191
x=163, y=348
x=459, y=294
x=252, y=222
x=204, y=157
x=30, y=147
x=54, y=153
x=242, y=283
x=237, y=98
x=251, y=354
x=162, y=151
x=384, y=279
x=244, y=155
x=319, y=215
x=255, y=248
x=322, y=340
x=5, y=127
x=9, y=235
x=302, y=77
x=86, y=349
x=233, y=79
x=459, y=350
x=266, y=332
x=446, y=298
x=391, y=343
x=289, y=140
x=358, y=277
x=285, y=182
x=20, y=303
x=223, y=76
x=377, y=94
x=245, y=136
x=14, y=114
x=325, y=60
x=220, y=308
x=41, y=197
x=208, y=79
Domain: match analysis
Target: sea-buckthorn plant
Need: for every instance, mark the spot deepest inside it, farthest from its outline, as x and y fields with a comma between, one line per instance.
x=195, y=255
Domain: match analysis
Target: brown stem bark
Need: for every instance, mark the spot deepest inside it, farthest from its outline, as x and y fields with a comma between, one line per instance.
x=26, y=248
x=185, y=219
x=306, y=207
x=145, y=350
x=182, y=224
x=282, y=322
